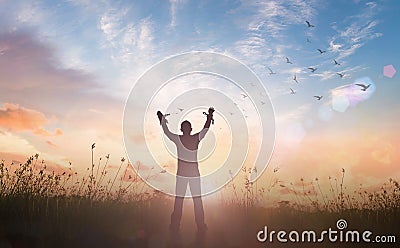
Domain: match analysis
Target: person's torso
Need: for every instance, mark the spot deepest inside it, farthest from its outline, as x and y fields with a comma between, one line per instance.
x=187, y=155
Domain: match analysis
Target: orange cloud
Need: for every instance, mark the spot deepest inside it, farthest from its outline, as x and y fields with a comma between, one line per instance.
x=16, y=118
x=51, y=143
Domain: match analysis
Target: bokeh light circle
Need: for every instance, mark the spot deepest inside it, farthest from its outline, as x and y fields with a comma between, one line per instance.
x=243, y=112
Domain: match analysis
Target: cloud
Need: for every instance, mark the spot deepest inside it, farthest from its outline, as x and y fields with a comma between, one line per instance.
x=14, y=147
x=27, y=64
x=16, y=118
x=51, y=144
x=361, y=28
x=384, y=154
x=334, y=47
x=11, y=143
x=31, y=75
x=266, y=30
x=275, y=16
x=253, y=48
x=174, y=5
x=30, y=13
x=130, y=45
x=325, y=75
x=294, y=114
x=126, y=38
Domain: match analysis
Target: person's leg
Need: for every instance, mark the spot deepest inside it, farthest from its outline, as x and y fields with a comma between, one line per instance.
x=180, y=191
x=195, y=190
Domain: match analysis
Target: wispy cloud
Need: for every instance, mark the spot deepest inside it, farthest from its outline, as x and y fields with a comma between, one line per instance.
x=360, y=28
x=265, y=43
x=173, y=10
x=275, y=16
x=294, y=114
x=324, y=75
x=130, y=45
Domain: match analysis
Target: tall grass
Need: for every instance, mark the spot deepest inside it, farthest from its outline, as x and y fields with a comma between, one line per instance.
x=67, y=206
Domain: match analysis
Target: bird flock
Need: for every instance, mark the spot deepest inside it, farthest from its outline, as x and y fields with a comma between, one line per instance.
x=312, y=69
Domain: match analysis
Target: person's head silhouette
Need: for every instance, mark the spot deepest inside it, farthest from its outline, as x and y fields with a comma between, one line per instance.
x=186, y=127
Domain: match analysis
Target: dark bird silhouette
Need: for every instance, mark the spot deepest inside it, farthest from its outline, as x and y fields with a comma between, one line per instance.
x=309, y=25
x=318, y=97
x=271, y=72
x=180, y=109
x=320, y=51
x=295, y=78
x=288, y=61
x=262, y=103
x=341, y=75
x=313, y=69
x=336, y=63
x=292, y=91
x=244, y=95
x=363, y=86
x=308, y=40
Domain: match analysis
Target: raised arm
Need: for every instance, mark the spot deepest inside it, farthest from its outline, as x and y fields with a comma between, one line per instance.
x=173, y=137
x=209, y=119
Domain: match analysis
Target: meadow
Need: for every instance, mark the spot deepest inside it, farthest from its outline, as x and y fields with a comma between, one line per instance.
x=43, y=208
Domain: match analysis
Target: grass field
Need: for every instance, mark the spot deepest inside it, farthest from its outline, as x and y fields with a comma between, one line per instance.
x=40, y=208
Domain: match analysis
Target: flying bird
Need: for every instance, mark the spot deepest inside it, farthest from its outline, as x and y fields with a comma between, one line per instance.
x=313, y=69
x=244, y=95
x=292, y=91
x=363, y=86
x=180, y=109
x=288, y=61
x=262, y=103
x=320, y=51
x=308, y=40
x=309, y=25
x=336, y=63
x=341, y=75
x=318, y=97
x=295, y=78
x=271, y=72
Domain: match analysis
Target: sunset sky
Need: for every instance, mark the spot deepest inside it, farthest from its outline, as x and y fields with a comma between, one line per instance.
x=67, y=67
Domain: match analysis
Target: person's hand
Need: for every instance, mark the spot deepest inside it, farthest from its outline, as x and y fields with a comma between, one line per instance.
x=160, y=117
x=211, y=110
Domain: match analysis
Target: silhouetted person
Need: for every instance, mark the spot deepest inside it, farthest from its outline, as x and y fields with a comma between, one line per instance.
x=188, y=171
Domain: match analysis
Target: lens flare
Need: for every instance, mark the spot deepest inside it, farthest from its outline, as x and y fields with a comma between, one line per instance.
x=350, y=95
